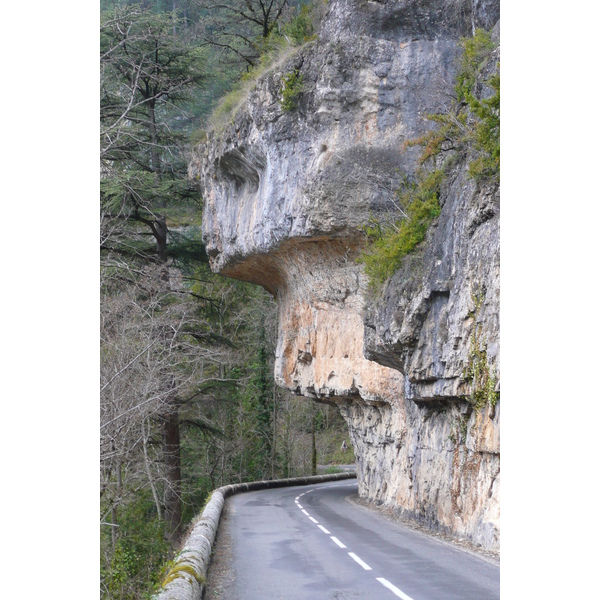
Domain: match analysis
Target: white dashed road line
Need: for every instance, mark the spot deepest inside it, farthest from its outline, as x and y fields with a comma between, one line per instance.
x=390, y=586
x=362, y=563
x=393, y=588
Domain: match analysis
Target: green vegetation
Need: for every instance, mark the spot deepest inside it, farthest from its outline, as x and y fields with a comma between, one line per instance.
x=471, y=126
x=148, y=73
x=291, y=88
x=188, y=402
x=419, y=201
x=483, y=131
x=141, y=548
x=342, y=457
x=276, y=48
x=276, y=53
x=464, y=424
x=486, y=135
x=235, y=424
x=478, y=374
x=332, y=470
x=301, y=27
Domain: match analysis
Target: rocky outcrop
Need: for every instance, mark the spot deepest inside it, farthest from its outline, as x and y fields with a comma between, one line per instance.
x=286, y=198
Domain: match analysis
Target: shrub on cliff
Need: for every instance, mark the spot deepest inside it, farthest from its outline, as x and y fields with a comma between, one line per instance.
x=471, y=127
x=472, y=123
x=291, y=88
x=419, y=202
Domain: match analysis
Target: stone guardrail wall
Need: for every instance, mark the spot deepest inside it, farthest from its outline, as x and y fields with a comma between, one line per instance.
x=185, y=580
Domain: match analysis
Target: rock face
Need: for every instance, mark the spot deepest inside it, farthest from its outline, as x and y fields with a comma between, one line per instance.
x=287, y=195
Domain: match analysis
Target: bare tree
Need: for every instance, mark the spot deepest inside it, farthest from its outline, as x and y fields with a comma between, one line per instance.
x=240, y=27
x=152, y=366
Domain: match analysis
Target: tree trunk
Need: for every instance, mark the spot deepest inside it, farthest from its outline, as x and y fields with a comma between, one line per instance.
x=161, y=233
x=172, y=455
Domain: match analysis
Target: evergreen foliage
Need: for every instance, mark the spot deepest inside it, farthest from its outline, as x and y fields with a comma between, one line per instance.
x=301, y=27
x=147, y=74
x=419, y=201
x=486, y=134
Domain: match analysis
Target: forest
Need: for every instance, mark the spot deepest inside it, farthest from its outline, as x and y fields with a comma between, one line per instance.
x=187, y=397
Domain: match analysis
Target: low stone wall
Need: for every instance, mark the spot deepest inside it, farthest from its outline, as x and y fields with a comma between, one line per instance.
x=185, y=580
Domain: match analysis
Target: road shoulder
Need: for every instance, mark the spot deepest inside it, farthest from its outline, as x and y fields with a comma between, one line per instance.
x=389, y=513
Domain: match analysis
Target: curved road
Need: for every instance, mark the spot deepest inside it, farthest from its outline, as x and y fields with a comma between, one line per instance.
x=310, y=542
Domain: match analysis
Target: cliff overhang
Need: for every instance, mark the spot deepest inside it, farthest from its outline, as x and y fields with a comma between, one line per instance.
x=286, y=197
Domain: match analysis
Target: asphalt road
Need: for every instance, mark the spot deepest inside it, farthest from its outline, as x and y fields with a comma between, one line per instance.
x=312, y=542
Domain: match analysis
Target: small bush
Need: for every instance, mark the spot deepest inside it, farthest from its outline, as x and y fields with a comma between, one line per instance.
x=420, y=202
x=134, y=567
x=486, y=135
x=475, y=56
x=343, y=457
x=477, y=373
x=292, y=87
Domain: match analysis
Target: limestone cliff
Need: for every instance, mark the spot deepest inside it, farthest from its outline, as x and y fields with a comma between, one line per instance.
x=286, y=196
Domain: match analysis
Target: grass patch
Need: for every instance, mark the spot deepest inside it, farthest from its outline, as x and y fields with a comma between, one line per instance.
x=332, y=470
x=343, y=457
x=230, y=104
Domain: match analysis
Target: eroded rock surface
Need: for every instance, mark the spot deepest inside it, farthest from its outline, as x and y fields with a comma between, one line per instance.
x=286, y=197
